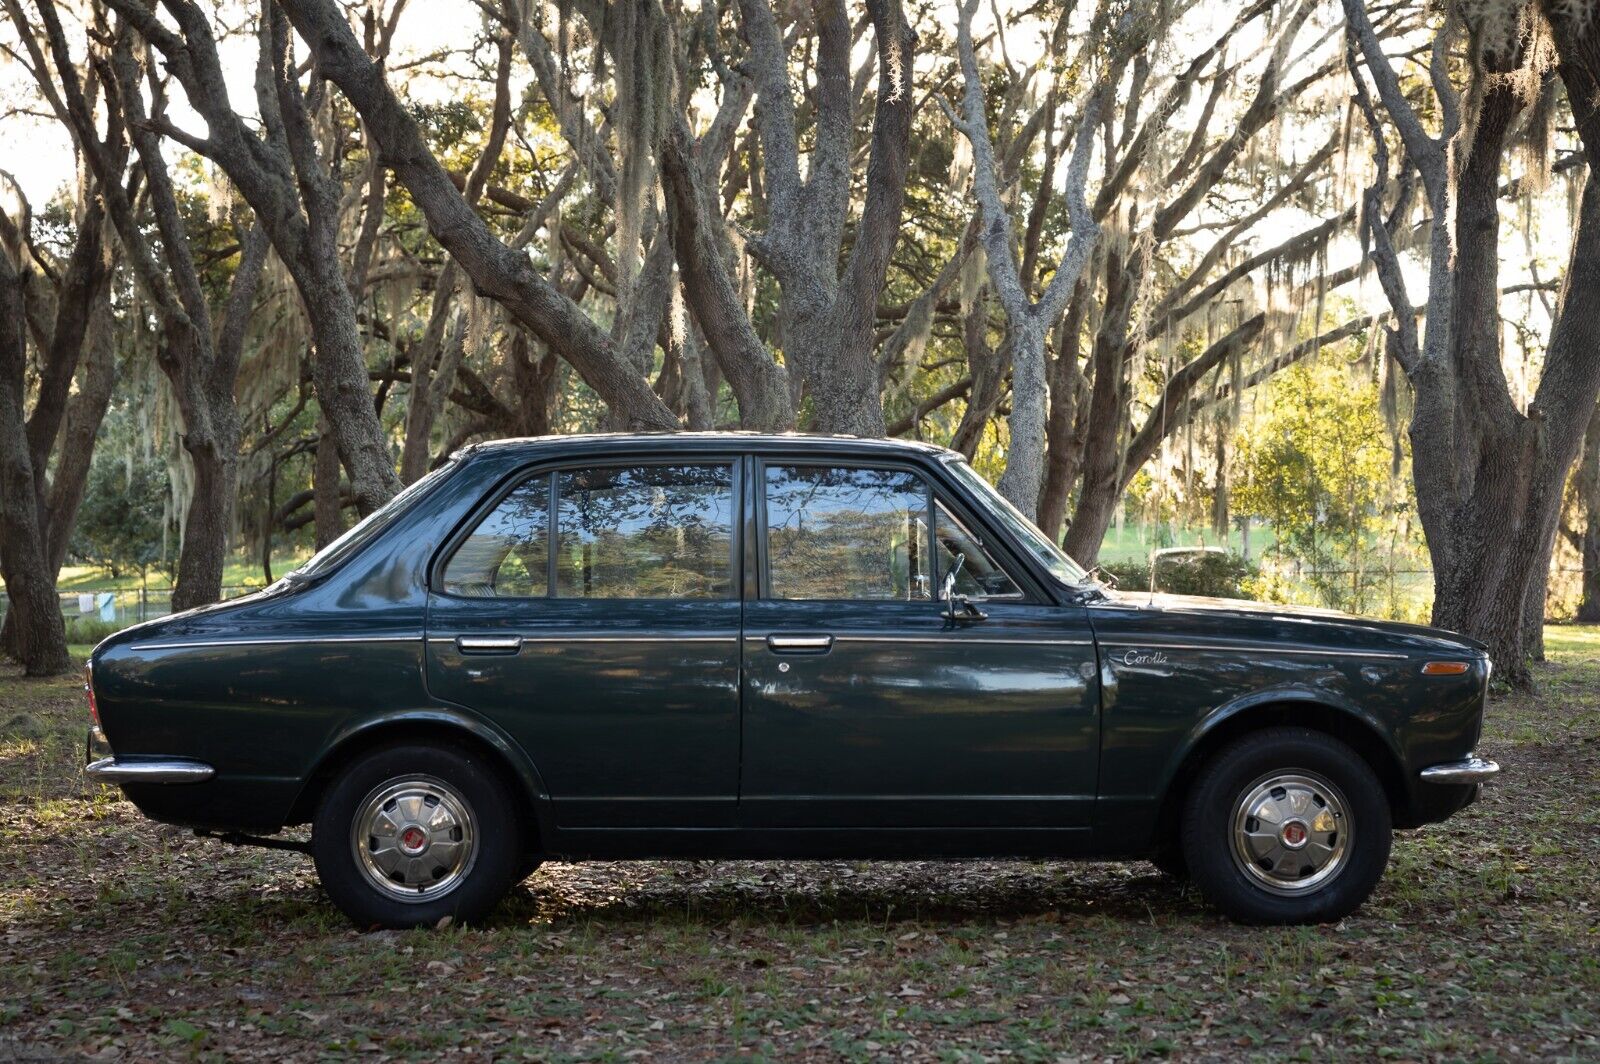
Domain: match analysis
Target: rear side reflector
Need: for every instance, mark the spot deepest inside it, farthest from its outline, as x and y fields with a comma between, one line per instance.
x=88, y=689
x=1445, y=668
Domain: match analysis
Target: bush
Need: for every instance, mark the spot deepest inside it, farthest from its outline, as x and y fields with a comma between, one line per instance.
x=91, y=630
x=1210, y=573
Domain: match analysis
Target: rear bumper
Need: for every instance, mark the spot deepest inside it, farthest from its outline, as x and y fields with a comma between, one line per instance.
x=116, y=770
x=1472, y=769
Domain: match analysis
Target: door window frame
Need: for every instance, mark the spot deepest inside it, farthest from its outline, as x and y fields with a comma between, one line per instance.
x=933, y=493
x=551, y=470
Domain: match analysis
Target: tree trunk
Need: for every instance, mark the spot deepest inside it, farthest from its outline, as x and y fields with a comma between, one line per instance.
x=835, y=354
x=1588, y=488
x=39, y=638
x=340, y=374
x=1108, y=412
x=1030, y=401
x=988, y=367
x=428, y=353
x=211, y=436
x=536, y=373
x=325, y=498
x=75, y=452
x=1498, y=539
x=1062, y=447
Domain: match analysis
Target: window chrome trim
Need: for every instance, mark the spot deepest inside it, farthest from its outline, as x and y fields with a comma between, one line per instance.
x=163, y=770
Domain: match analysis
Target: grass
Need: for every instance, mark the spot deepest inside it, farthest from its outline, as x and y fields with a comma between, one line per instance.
x=240, y=569
x=123, y=938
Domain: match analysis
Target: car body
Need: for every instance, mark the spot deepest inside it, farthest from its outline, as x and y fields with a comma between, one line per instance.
x=739, y=645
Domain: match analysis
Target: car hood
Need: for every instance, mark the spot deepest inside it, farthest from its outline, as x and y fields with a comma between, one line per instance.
x=1248, y=608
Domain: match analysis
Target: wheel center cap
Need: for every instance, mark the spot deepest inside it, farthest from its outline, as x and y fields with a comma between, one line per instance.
x=1293, y=834
x=413, y=840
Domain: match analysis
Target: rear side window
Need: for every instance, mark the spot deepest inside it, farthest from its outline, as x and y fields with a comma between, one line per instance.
x=508, y=554
x=642, y=532
x=846, y=533
x=645, y=532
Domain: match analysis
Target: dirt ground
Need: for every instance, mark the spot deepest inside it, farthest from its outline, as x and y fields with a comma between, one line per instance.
x=123, y=939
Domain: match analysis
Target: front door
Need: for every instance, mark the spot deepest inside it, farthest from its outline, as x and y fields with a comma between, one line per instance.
x=594, y=613
x=865, y=706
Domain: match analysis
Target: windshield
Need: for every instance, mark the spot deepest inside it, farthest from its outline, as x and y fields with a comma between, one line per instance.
x=1027, y=533
x=368, y=527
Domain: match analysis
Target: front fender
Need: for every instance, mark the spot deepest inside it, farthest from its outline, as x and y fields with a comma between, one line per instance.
x=1284, y=697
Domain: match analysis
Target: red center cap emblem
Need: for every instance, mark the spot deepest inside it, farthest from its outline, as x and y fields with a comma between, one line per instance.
x=413, y=838
x=1294, y=833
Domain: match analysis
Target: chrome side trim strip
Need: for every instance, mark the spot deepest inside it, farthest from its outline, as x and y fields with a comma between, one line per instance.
x=1259, y=648
x=578, y=638
x=1473, y=769
x=166, y=770
x=948, y=640
x=279, y=641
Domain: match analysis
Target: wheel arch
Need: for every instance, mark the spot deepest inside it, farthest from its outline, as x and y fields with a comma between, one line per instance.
x=1279, y=709
x=430, y=725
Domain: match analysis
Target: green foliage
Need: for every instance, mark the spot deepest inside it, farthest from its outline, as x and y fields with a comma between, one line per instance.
x=1212, y=573
x=1323, y=469
x=119, y=525
x=91, y=630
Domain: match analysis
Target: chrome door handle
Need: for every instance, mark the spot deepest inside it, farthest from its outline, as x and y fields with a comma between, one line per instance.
x=799, y=644
x=488, y=644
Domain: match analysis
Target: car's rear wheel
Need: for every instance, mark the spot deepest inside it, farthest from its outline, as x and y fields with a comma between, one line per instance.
x=1286, y=826
x=408, y=835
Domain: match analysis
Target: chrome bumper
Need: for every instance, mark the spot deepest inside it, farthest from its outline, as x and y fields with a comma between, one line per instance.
x=1470, y=770
x=162, y=770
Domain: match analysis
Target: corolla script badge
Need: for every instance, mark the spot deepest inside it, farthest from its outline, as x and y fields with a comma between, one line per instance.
x=1144, y=657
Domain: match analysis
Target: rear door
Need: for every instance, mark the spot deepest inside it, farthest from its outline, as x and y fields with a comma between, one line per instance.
x=865, y=706
x=593, y=611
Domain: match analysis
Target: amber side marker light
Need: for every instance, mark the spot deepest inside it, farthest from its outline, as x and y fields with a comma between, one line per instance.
x=1445, y=668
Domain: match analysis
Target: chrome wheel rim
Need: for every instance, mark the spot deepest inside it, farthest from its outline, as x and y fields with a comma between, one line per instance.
x=1291, y=832
x=414, y=837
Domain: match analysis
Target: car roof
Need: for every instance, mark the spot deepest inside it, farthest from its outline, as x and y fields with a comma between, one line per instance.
x=600, y=443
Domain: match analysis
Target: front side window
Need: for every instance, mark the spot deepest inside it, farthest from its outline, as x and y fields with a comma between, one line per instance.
x=846, y=533
x=980, y=576
x=662, y=532
x=1035, y=542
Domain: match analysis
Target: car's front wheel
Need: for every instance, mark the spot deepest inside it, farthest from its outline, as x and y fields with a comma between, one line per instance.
x=1286, y=826
x=408, y=835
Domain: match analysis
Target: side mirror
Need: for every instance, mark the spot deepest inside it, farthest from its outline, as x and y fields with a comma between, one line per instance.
x=958, y=608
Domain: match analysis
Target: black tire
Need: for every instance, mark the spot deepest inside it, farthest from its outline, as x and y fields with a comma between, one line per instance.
x=483, y=861
x=1313, y=766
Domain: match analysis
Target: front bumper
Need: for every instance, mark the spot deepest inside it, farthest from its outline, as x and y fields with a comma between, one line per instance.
x=1471, y=769
x=117, y=770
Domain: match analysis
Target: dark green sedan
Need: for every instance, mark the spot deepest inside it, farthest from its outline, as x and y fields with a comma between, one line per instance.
x=713, y=645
